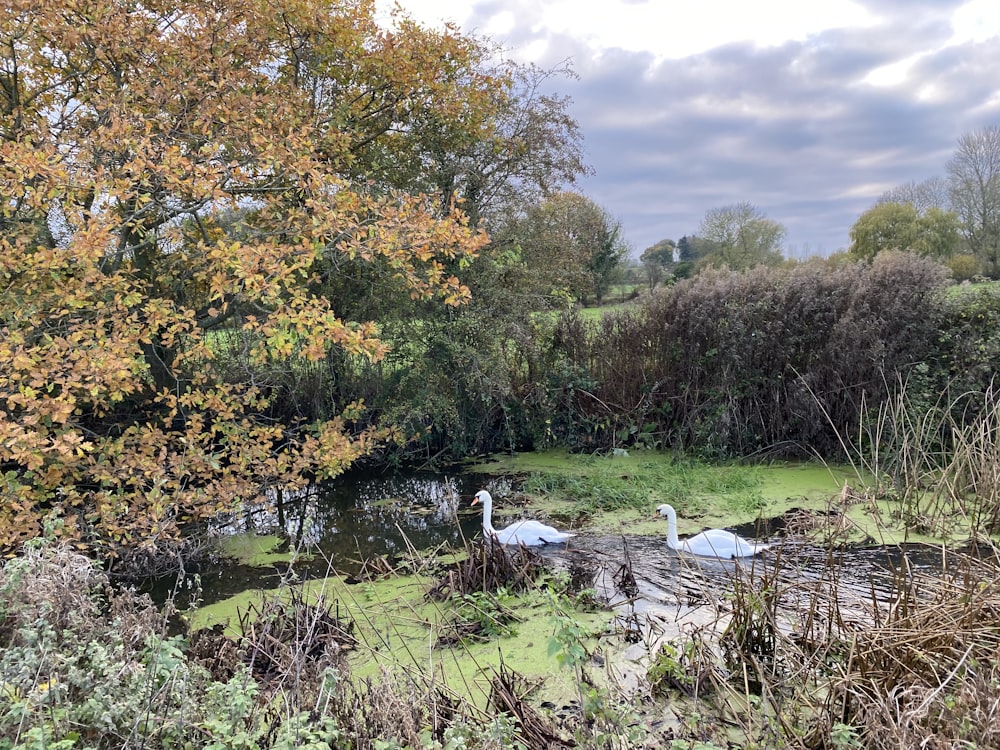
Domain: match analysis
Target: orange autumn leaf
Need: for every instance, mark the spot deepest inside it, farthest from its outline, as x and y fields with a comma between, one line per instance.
x=174, y=175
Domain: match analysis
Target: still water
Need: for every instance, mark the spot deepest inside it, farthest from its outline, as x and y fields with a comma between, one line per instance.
x=360, y=517
x=343, y=524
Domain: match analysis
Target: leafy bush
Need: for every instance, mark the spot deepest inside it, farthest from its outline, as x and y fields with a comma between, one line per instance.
x=84, y=666
x=769, y=360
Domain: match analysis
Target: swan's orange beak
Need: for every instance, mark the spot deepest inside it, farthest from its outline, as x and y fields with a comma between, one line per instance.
x=475, y=501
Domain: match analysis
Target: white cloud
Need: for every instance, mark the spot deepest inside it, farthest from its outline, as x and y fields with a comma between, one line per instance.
x=810, y=110
x=893, y=74
x=670, y=30
x=976, y=21
x=680, y=28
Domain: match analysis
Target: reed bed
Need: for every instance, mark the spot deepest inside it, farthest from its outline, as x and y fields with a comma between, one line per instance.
x=929, y=674
x=795, y=663
x=939, y=459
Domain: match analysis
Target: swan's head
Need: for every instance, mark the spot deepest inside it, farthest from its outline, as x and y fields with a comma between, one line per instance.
x=482, y=497
x=664, y=510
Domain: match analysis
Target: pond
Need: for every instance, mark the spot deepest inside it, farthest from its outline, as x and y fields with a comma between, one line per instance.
x=815, y=594
x=359, y=518
x=341, y=525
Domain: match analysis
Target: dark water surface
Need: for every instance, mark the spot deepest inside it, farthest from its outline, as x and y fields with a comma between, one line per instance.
x=344, y=523
x=362, y=517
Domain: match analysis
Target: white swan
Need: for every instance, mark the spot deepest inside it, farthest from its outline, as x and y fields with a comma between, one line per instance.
x=528, y=533
x=711, y=543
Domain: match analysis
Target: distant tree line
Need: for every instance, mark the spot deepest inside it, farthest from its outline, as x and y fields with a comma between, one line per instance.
x=955, y=219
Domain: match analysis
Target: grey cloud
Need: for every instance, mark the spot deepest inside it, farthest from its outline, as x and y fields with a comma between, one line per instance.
x=794, y=129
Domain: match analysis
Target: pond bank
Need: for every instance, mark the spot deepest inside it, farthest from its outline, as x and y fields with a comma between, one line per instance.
x=664, y=629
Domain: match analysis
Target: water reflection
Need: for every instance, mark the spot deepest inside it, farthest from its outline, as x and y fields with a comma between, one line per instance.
x=360, y=517
x=342, y=524
x=819, y=588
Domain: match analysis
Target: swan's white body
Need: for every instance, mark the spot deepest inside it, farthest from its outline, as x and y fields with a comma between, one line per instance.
x=528, y=533
x=711, y=543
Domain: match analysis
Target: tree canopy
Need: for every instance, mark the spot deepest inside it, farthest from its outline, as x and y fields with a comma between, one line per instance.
x=900, y=226
x=656, y=259
x=531, y=148
x=742, y=236
x=974, y=180
x=923, y=196
x=572, y=246
x=169, y=171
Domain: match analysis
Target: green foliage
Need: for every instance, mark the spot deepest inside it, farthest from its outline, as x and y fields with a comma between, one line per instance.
x=661, y=254
x=81, y=666
x=483, y=615
x=963, y=266
x=899, y=226
x=742, y=237
x=571, y=246
x=657, y=260
x=968, y=341
x=589, y=494
x=844, y=737
x=610, y=724
x=675, y=667
x=769, y=361
x=108, y=691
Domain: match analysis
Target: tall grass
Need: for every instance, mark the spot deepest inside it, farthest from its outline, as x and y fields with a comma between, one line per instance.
x=806, y=662
x=939, y=461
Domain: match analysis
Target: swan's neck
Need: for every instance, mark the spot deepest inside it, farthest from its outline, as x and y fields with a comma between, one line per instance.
x=488, y=516
x=672, y=541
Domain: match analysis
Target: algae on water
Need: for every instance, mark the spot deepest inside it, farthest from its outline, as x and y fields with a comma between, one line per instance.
x=399, y=628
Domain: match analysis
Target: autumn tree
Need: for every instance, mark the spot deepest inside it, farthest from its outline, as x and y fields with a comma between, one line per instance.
x=531, y=148
x=572, y=247
x=493, y=168
x=742, y=236
x=974, y=179
x=169, y=171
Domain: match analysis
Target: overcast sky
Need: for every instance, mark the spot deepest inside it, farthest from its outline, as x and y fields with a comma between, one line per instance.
x=809, y=110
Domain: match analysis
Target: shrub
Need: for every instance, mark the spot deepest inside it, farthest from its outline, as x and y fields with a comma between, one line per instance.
x=768, y=360
x=84, y=664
